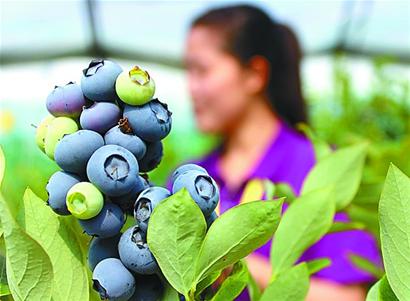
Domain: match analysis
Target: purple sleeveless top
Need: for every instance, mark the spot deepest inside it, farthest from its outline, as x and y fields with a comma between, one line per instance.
x=288, y=159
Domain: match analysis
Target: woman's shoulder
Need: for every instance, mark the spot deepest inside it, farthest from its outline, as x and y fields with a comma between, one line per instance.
x=297, y=144
x=291, y=157
x=295, y=136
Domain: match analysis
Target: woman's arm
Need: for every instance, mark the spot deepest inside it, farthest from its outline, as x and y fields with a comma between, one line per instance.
x=260, y=269
x=320, y=290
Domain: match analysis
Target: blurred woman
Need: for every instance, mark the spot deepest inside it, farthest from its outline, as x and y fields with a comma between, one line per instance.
x=243, y=73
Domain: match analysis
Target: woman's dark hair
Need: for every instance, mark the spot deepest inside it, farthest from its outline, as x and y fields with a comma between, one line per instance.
x=248, y=32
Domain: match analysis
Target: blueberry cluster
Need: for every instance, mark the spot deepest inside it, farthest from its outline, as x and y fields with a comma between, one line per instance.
x=105, y=134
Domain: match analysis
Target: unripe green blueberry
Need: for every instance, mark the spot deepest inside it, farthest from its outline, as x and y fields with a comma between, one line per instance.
x=84, y=200
x=135, y=87
x=41, y=131
x=57, y=128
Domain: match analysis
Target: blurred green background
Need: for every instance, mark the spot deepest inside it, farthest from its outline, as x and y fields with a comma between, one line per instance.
x=356, y=75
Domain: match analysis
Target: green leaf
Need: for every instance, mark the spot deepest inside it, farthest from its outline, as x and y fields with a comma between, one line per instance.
x=317, y=265
x=204, y=283
x=385, y=291
x=236, y=233
x=394, y=213
x=94, y=295
x=2, y=170
x=284, y=190
x=83, y=238
x=368, y=194
x=7, y=298
x=279, y=190
x=233, y=284
x=29, y=269
x=269, y=189
x=60, y=243
x=4, y=288
x=322, y=149
x=175, y=233
x=170, y=294
x=365, y=216
x=253, y=289
x=341, y=226
x=342, y=170
x=2, y=165
x=306, y=220
x=373, y=293
x=366, y=265
x=290, y=285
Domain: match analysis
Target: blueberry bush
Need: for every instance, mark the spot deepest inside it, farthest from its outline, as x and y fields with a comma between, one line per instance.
x=106, y=232
x=45, y=255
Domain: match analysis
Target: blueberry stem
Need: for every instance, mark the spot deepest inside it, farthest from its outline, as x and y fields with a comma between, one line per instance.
x=125, y=126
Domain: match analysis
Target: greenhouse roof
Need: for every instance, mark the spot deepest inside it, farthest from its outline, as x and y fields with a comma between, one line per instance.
x=155, y=30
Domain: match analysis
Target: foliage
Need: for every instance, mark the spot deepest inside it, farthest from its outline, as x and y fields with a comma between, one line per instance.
x=367, y=132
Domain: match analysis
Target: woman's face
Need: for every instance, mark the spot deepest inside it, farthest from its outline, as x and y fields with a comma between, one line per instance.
x=217, y=82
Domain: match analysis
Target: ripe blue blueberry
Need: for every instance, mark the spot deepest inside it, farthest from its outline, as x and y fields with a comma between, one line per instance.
x=210, y=219
x=145, y=204
x=184, y=168
x=151, y=122
x=100, y=117
x=102, y=248
x=57, y=188
x=98, y=80
x=107, y=223
x=202, y=188
x=74, y=150
x=122, y=135
x=113, y=169
x=153, y=156
x=66, y=101
x=127, y=201
x=147, y=288
x=113, y=281
x=135, y=254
